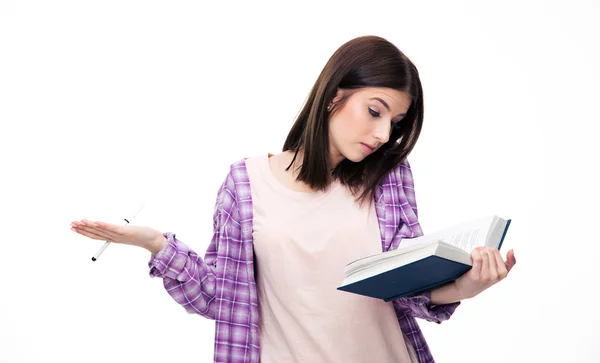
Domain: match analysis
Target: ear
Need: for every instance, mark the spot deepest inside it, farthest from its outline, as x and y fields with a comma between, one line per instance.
x=338, y=95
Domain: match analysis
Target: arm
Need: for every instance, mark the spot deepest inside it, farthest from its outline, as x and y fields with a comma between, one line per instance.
x=446, y=294
x=188, y=278
x=488, y=269
x=439, y=303
x=422, y=306
x=434, y=305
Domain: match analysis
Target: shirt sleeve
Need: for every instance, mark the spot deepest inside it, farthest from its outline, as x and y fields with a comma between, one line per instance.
x=188, y=278
x=418, y=306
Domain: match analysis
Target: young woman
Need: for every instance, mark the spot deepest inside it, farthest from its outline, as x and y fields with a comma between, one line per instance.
x=285, y=226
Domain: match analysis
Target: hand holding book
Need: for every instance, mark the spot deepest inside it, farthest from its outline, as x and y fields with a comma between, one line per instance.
x=454, y=263
x=488, y=269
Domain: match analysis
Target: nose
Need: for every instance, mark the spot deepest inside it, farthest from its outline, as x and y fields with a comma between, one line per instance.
x=382, y=130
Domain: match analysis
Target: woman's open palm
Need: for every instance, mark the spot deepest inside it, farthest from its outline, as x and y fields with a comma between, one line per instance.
x=131, y=235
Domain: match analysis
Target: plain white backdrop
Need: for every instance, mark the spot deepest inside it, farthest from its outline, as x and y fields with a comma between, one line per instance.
x=106, y=103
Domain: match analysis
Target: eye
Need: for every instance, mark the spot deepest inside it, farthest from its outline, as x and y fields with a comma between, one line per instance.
x=395, y=125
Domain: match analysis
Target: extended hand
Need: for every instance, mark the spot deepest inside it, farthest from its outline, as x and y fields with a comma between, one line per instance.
x=145, y=237
x=488, y=269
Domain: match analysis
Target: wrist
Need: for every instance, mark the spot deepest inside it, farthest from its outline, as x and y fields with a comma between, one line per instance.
x=460, y=295
x=157, y=244
x=463, y=295
x=446, y=294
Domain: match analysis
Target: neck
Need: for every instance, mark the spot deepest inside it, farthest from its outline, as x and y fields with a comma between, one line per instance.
x=333, y=161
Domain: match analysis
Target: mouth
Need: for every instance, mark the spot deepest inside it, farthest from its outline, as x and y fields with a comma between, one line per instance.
x=367, y=148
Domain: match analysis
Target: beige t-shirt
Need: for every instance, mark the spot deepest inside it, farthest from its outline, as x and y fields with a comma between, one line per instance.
x=302, y=242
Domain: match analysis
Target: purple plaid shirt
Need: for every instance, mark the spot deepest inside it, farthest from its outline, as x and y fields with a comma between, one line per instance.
x=221, y=285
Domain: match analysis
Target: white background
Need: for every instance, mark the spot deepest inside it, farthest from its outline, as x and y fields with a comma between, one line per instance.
x=106, y=103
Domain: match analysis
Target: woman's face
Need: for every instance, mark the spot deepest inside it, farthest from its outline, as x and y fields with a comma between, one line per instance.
x=364, y=123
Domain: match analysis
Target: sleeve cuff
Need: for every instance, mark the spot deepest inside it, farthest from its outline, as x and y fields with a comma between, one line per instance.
x=163, y=261
x=420, y=307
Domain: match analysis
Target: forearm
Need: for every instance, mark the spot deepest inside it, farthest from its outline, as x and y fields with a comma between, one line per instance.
x=190, y=280
x=445, y=294
x=157, y=244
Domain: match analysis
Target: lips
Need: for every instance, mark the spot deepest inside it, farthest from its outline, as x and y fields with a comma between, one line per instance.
x=367, y=148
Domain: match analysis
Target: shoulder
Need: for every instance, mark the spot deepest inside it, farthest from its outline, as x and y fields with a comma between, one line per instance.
x=236, y=183
x=238, y=170
x=400, y=175
x=234, y=189
x=405, y=172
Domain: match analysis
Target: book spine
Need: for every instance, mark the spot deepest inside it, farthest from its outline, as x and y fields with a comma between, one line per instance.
x=504, y=234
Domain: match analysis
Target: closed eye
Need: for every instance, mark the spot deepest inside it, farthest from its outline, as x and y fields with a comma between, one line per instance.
x=374, y=113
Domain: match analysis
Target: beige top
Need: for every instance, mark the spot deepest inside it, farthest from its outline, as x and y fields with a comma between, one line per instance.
x=302, y=242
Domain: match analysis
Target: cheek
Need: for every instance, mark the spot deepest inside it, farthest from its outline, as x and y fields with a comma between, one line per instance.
x=349, y=126
x=342, y=129
x=357, y=122
x=336, y=130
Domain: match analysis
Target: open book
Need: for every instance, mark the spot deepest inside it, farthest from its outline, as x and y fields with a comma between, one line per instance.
x=423, y=262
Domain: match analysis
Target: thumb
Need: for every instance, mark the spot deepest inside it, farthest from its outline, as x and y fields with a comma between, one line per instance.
x=510, y=260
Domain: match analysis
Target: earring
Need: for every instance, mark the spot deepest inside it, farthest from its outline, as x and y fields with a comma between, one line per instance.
x=329, y=107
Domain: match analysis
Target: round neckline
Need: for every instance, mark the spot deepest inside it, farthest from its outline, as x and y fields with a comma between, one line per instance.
x=277, y=184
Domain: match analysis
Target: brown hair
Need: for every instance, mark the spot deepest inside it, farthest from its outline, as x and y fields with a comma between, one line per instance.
x=367, y=61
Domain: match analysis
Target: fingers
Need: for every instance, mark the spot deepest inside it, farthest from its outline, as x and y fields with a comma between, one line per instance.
x=501, y=267
x=494, y=275
x=88, y=233
x=485, y=265
x=493, y=267
x=477, y=263
x=510, y=260
x=96, y=230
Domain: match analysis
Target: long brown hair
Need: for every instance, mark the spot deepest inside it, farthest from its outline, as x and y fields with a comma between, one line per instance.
x=366, y=61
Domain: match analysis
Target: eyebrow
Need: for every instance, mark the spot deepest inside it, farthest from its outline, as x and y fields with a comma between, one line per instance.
x=386, y=105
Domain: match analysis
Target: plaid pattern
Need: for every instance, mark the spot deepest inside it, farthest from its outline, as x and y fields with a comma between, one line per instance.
x=221, y=285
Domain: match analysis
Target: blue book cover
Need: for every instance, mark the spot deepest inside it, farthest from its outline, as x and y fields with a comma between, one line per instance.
x=409, y=279
x=412, y=278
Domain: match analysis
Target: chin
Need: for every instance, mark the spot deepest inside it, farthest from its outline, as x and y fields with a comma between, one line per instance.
x=355, y=157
